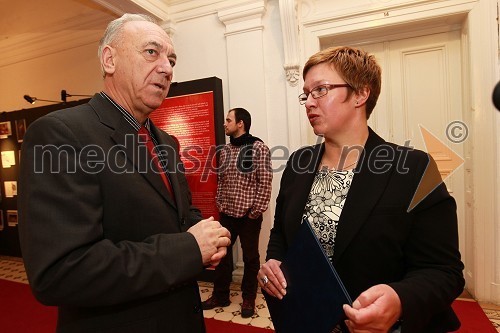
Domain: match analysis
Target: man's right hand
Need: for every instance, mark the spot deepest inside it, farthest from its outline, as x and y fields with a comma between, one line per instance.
x=213, y=240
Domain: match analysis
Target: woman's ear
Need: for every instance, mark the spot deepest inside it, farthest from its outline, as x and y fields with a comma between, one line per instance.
x=108, y=59
x=361, y=97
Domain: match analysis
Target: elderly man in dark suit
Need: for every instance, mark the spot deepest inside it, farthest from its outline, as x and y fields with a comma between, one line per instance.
x=108, y=232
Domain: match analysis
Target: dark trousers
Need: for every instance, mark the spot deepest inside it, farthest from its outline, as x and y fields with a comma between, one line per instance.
x=248, y=230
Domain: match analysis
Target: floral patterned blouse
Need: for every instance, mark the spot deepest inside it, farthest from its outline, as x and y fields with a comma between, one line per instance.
x=325, y=203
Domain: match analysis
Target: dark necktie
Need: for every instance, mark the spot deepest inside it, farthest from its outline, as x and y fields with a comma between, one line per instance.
x=151, y=148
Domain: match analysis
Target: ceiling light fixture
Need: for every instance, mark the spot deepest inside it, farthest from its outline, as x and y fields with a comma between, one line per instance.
x=32, y=100
x=64, y=95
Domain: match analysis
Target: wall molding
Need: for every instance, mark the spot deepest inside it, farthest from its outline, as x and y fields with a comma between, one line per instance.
x=244, y=18
x=290, y=31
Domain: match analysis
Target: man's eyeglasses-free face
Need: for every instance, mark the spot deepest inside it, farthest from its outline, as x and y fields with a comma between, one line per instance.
x=320, y=91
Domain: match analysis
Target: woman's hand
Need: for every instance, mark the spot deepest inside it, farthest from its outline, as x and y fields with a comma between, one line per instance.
x=374, y=311
x=271, y=278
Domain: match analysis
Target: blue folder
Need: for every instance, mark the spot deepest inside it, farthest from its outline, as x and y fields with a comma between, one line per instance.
x=315, y=293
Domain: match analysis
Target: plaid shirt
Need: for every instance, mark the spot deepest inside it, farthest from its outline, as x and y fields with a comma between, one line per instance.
x=238, y=193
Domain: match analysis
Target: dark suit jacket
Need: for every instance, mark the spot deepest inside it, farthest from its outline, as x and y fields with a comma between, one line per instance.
x=378, y=240
x=101, y=237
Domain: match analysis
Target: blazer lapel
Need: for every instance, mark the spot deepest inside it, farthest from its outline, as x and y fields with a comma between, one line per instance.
x=366, y=188
x=126, y=139
x=304, y=166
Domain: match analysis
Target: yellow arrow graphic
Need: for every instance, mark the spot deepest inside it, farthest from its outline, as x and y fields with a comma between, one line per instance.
x=447, y=162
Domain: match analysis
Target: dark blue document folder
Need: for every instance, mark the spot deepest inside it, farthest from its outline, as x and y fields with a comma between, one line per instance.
x=315, y=293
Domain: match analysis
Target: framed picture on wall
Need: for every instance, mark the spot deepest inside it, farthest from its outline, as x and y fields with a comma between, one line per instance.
x=20, y=129
x=10, y=188
x=8, y=158
x=5, y=129
x=12, y=218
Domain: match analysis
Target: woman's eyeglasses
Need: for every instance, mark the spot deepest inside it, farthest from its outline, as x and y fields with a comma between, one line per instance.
x=320, y=91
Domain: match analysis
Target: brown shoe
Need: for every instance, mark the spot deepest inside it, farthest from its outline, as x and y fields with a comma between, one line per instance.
x=247, y=308
x=213, y=302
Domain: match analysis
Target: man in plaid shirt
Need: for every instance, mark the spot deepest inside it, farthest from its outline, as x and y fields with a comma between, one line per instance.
x=243, y=193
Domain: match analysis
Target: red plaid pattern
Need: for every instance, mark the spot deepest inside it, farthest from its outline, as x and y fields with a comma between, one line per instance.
x=241, y=193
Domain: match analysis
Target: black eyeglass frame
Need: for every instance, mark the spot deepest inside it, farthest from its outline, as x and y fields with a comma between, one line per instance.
x=314, y=91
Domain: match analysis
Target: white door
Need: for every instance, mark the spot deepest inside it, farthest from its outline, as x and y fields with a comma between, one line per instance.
x=422, y=86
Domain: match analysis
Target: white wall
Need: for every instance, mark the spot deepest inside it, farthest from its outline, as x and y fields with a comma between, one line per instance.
x=200, y=51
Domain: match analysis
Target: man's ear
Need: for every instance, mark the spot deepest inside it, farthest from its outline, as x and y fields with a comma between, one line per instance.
x=240, y=124
x=108, y=59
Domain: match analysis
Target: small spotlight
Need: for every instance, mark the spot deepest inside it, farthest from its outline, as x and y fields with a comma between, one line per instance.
x=30, y=99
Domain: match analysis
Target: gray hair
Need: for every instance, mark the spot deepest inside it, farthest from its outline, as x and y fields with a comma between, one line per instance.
x=113, y=31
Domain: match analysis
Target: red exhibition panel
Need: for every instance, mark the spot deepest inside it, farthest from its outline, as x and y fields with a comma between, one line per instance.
x=190, y=118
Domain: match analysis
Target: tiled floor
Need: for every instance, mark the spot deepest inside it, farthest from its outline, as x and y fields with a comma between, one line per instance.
x=231, y=313
x=13, y=269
